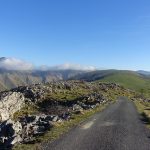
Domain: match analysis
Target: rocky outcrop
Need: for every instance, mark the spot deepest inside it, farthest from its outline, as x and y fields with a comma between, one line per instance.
x=10, y=102
x=23, y=131
x=33, y=126
x=107, y=86
x=88, y=102
x=32, y=93
x=91, y=101
x=27, y=128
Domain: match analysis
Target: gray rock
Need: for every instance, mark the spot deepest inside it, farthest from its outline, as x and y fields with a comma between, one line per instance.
x=55, y=119
x=10, y=103
x=77, y=107
x=17, y=139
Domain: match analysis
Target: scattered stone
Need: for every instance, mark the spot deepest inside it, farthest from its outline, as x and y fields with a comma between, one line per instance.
x=55, y=119
x=77, y=109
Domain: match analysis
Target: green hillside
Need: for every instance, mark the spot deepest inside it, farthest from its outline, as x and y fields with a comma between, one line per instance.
x=130, y=80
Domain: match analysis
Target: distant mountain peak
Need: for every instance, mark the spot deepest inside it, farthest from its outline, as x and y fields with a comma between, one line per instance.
x=143, y=72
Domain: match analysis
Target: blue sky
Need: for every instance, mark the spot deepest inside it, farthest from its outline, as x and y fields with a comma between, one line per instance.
x=101, y=33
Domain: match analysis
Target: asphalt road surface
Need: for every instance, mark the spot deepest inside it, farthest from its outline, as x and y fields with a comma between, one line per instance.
x=116, y=128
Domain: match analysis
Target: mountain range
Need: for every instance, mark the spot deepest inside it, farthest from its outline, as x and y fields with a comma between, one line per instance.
x=13, y=78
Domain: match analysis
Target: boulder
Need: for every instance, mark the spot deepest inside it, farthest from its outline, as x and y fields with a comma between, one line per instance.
x=10, y=103
x=55, y=119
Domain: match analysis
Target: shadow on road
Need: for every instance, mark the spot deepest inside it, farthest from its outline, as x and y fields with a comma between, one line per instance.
x=145, y=119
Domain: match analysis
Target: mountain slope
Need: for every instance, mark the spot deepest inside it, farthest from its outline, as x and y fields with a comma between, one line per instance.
x=12, y=79
x=147, y=73
x=128, y=79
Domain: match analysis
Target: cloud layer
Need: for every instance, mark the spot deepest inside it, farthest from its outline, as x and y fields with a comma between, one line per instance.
x=17, y=64
x=68, y=66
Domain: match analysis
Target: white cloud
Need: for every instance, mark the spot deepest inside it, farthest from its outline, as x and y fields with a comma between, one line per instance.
x=15, y=64
x=68, y=66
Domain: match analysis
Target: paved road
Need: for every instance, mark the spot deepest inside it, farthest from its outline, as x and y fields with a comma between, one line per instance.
x=116, y=128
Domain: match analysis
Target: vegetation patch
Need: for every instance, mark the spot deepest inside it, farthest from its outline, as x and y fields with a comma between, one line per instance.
x=27, y=110
x=139, y=83
x=144, y=109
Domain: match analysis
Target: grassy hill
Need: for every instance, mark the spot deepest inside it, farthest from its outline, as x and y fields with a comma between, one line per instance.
x=128, y=79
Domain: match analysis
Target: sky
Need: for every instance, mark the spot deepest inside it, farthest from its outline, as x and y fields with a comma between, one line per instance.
x=111, y=34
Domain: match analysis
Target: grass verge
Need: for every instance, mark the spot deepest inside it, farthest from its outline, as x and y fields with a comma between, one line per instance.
x=144, y=109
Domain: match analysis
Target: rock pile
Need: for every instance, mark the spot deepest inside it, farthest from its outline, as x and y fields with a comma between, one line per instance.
x=26, y=129
x=88, y=102
x=106, y=86
x=33, y=93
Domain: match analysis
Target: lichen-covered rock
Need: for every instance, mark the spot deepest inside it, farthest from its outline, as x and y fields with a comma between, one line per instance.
x=10, y=103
